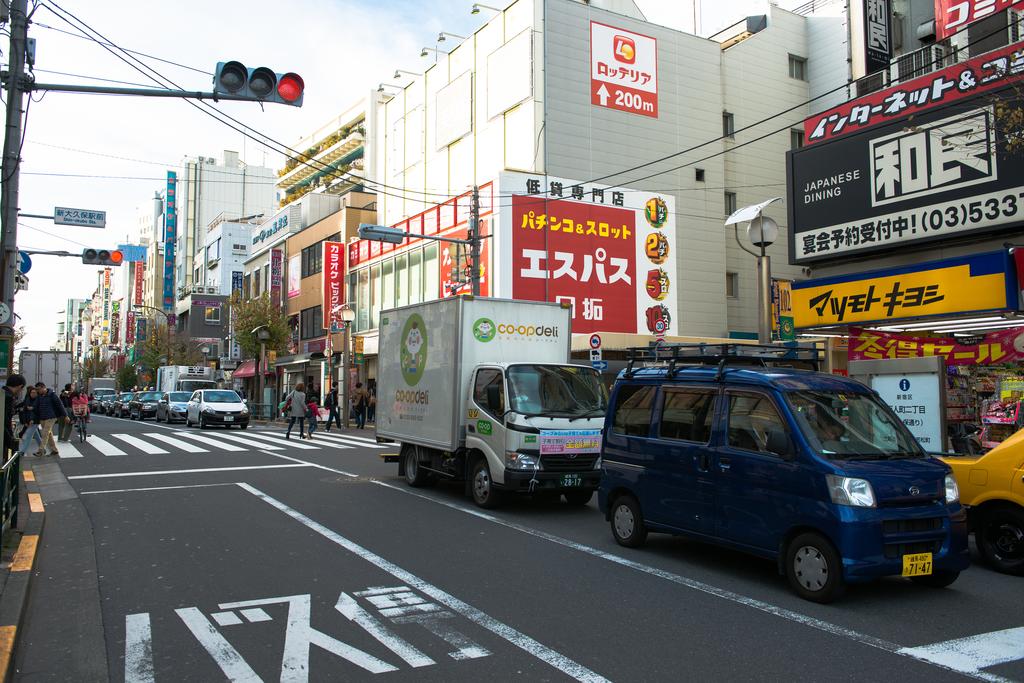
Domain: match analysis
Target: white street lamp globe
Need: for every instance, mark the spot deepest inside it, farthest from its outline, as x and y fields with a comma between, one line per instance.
x=763, y=231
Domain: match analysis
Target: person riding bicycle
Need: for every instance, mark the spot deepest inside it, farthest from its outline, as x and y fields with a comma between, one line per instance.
x=80, y=405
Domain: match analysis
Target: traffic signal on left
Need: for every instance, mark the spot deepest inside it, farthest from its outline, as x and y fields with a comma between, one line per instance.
x=102, y=257
x=259, y=84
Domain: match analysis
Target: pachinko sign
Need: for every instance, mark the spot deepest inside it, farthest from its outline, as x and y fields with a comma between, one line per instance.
x=953, y=15
x=607, y=252
x=994, y=348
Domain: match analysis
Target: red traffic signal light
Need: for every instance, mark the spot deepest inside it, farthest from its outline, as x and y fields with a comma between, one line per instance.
x=260, y=84
x=290, y=87
x=102, y=257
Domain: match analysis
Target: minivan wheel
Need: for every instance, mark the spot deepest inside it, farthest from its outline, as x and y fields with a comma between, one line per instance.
x=627, y=522
x=814, y=569
x=939, y=579
x=414, y=475
x=481, y=484
x=1000, y=538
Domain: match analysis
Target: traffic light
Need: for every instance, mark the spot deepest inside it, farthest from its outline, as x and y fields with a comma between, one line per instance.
x=102, y=257
x=259, y=84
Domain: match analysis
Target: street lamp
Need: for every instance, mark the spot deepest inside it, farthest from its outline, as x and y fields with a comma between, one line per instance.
x=444, y=35
x=475, y=9
x=263, y=334
x=762, y=232
x=347, y=315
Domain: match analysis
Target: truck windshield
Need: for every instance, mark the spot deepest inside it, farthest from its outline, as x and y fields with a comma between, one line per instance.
x=852, y=426
x=556, y=390
x=103, y=392
x=191, y=385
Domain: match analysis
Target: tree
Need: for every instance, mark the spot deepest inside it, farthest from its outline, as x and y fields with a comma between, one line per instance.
x=127, y=378
x=19, y=334
x=248, y=315
x=155, y=350
x=95, y=366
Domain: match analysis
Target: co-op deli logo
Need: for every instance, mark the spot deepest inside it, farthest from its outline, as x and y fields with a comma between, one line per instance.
x=413, y=351
x=485, y=329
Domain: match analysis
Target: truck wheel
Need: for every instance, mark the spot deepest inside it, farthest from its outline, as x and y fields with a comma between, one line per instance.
x=814, y=568
x=578, y=498
x=628, y=522
x=484, y=493
x=414, y=475
x=939, y=579
x=1000, y=538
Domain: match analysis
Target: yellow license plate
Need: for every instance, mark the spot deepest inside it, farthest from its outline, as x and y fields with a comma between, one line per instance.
x=918, y=564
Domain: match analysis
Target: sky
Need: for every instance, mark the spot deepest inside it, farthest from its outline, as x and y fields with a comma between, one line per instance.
x=341, y=48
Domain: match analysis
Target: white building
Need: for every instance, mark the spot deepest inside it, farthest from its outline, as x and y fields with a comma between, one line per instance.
x=225, y=253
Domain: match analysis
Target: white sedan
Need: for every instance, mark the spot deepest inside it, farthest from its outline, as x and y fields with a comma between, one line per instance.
x=216, y=407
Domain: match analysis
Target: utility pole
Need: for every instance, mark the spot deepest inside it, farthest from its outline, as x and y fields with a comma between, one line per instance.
x=473, y=234
x=11, y=161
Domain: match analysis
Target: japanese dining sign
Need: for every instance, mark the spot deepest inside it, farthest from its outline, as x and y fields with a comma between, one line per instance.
x=968, y=284
x=948, y=174
x=623, y=70
x=1004, y=346
x=953, y=15
x=333, y=283
x=989, y=71
x=607, y=252
x=877, y=34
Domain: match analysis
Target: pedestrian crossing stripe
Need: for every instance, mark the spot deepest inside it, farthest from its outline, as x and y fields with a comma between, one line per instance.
x=143, y=446
x=104, y=446
x=68, y=450
x=294, y=443
x=351, y=440
x=178, y=443
x=279, y=436
x=250, y=442
x=223, y=445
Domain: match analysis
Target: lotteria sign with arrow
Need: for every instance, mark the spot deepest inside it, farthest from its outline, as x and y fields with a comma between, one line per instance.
x=623, y=70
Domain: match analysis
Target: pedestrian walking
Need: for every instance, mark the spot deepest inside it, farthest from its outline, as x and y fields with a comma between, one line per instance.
x=64, y=433
x=29, y=424
x=360, y=401
x=371, y=402
x=48, y=409
x=313, y=413
x=13, y=390
x=331, y=403
x=295, y=409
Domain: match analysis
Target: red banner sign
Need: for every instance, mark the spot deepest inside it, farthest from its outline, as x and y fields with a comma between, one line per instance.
x=1004, y=346
x=129, y=330
x=987, y=72
x=953, y=15
x=276, y=276
x=140, y=269
x=333, y=281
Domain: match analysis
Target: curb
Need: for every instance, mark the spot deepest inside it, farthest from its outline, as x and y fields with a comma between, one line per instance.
x=15, y=592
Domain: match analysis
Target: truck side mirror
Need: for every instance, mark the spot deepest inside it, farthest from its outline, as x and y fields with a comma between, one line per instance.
x=779, y=444
x=494, y=400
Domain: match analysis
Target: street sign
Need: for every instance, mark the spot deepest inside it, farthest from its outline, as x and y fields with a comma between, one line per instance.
x=599, y=365
x=595, y=354
x=83, y=218
x=24, y=262
x=595, y=341
x=623, y=70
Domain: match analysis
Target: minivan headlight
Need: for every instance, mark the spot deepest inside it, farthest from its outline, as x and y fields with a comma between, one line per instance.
x=952, y=490
x=520, y=461
x=850, y=491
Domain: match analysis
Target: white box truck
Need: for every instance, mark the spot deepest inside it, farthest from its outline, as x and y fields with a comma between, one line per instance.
x=52, y=368
x=184, y=378
x=481, y=390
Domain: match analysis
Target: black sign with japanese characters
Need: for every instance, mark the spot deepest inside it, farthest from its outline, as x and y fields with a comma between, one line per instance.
x=942, y=173
x=877, y=34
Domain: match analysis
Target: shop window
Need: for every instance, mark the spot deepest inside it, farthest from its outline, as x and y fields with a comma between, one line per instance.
x=363, y=301
x=387, y=285
x=416, y=276
x=431, y=274
x=311, y=323
x=401, y=280
x=375, y=296
x=211, y=315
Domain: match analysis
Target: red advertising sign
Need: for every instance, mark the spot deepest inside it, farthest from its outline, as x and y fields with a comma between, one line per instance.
x=129, y=330
x=953, y=15
x=623, y=70
x=139, y=272
x=455, y=283
x=332, y=281
x=1004, y=346
x=987, y=72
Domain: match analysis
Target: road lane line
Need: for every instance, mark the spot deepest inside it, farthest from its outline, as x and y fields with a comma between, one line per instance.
x=250, y=442
x=223, y=652
x=156, y=488
x=292, y=443
x=143, y=446
x=138, y=649
x=104, y=447
x=502, y=630
x=178, y=443
x=223, y=445
x=973, y=653
x=193, y=471
x=754, y=603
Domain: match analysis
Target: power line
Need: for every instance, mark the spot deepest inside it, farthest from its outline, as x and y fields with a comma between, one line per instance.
x=51, y=234
x=97, y=78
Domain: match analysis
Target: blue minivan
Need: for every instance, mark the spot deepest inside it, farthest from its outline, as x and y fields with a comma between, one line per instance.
x=737, y=445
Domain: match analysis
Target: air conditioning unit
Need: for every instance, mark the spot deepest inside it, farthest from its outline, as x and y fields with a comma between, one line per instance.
x=918, y=63
x=211, y=290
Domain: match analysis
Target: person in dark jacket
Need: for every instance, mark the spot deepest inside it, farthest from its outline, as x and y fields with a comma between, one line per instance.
x=49, y=409
x=13, y=390
x=29, y=424
x=65, y=426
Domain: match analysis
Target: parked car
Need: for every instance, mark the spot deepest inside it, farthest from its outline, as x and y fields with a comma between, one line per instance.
x=120, y=405
x=172, y=406
x=107, y=404
x=98, y=397
x=216, y=407
x=992, y=490
x=811, y=470
x=143, y=405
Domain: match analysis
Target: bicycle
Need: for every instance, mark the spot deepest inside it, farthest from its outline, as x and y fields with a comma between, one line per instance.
x=81, y=419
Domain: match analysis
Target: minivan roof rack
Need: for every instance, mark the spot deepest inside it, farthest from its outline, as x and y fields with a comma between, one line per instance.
x=722, y=354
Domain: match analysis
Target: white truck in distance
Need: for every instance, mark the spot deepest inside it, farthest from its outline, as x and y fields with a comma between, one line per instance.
x=184, y=378
x=482, y=391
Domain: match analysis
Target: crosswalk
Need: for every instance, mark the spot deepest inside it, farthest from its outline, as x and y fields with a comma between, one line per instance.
x=163, y=443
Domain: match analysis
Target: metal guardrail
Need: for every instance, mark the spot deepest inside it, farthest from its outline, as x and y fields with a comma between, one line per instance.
x=10, y=483
x=263, y=411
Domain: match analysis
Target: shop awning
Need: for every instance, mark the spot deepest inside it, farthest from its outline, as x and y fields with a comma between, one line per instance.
x=248, y=369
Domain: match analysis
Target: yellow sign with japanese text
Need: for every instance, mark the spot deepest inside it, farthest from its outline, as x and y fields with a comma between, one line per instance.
x=947, y=290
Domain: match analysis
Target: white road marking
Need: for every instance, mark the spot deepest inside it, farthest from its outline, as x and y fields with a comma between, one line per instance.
x=138, y=649
x=223, y=445
x=194, y=471
x=143, y=446
x=760, y=605
x=249, y=442
x=504, y=631
x=223, y=652
x=178, y=443
x=323, y=443
x=292, y=443
x=352, y=441
x=973, y=653
x=104, y=447
x=352, y=611
x=156, y=488
x=352, y=437
x=68, y=450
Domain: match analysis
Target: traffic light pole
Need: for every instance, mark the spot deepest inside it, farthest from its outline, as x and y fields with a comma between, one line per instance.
x=12, y=161
x=141, y=92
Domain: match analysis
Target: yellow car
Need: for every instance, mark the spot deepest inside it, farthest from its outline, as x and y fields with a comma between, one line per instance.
x=992, y=488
